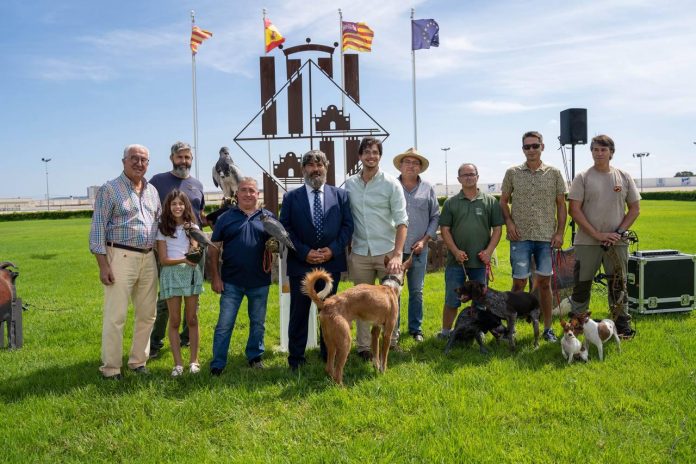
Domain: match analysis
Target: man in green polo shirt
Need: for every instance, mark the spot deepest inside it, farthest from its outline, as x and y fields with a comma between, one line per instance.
x=471, y=225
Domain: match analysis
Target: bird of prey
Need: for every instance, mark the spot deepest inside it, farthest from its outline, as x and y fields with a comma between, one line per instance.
x=276, y=230
x=198, y=235
x=226, y=175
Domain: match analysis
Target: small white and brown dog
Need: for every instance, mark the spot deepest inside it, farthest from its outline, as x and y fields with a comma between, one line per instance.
x=571, y=347
x=596, y=332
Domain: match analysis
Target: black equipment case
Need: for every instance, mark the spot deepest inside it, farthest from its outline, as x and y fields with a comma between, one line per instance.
x=661, y=281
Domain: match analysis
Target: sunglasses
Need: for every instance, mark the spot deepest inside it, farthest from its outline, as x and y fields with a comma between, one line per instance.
x=531, y=145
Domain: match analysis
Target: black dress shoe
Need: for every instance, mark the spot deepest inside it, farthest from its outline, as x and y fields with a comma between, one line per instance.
x=215, y=371
x=365, y=355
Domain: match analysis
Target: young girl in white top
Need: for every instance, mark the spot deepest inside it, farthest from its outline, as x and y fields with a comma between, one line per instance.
x=179, y=277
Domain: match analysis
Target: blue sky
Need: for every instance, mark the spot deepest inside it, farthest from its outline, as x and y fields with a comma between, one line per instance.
x=82, y=79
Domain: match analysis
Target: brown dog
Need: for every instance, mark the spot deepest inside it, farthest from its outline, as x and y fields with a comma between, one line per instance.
x=378, y=304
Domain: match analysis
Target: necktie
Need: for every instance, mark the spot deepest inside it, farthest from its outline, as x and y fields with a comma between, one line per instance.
x=318, y=215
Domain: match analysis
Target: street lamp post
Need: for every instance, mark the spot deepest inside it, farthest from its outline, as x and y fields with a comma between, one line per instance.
x=48, y=198
x=640, y=156
x=446, y=183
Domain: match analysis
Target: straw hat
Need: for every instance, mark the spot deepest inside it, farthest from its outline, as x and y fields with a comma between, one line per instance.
x=413, y=153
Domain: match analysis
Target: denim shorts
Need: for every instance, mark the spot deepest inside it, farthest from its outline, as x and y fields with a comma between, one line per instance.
x=455, y=278
x=521, y=253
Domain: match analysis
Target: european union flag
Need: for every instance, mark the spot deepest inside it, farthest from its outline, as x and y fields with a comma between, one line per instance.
x=424, y=34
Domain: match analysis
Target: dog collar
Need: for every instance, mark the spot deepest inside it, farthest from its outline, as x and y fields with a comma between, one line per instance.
x=392, y=277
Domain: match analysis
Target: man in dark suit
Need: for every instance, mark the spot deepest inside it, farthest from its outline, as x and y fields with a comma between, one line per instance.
x=318, y=218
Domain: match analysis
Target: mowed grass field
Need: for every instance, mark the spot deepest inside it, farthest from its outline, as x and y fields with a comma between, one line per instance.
x=636, y=406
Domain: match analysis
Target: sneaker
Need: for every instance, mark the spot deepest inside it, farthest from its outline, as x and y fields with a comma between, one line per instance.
x=216, y=371
x=140, y=370
x=194, y=368
x=365, y=355
x=549, y=336
x=154, y=353
x=441, y=335
x=256, y=364
x=115, y=377
x=184, y=343
x=178, y=371
x=418, y=337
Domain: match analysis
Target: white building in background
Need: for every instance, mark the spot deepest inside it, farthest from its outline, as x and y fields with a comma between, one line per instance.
x=92, y=192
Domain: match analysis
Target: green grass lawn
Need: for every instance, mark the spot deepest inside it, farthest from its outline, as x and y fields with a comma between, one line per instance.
x=636, y=406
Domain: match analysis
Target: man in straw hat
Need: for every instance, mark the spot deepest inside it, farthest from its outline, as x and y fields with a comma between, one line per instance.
x=423, y=214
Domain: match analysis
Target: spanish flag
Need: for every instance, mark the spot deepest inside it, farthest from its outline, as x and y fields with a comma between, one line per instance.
x=198, y=35
x=273, y=35
x=357, y=36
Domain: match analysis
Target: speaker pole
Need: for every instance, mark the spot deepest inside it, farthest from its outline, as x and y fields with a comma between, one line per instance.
x=572, y=173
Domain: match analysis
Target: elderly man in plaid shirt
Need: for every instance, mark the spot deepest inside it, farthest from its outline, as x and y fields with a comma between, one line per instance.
x=124, y=225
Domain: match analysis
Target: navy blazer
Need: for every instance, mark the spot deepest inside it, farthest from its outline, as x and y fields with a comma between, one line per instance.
x=296, y=217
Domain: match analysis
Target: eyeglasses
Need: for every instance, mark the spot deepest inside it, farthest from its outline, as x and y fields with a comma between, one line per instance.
x=139, y=160
x=468, y=175
x=531, y=145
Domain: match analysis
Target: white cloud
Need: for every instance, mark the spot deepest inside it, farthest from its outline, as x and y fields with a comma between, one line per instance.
x=503, y=107
x=60, y=70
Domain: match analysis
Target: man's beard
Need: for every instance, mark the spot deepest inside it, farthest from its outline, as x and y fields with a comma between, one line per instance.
x=182, y=171
x=315, y=181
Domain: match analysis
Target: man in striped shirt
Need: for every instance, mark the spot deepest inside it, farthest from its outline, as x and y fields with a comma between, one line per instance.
x=124, y=225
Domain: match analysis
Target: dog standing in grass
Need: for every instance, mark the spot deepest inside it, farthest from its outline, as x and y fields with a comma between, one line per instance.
x=596, y=332
x=378, y=304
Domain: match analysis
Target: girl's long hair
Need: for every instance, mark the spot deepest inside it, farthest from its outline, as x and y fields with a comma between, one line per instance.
x=168, y=223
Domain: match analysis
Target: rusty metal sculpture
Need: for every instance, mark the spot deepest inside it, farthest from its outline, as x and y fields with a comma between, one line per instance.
x=330, y=124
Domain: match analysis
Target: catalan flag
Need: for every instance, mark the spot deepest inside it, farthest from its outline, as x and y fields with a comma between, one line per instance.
x=357, y=36
x=198, y=35
x=273, y=35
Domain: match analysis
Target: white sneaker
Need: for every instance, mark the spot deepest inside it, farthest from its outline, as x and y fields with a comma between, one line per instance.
x=194, y=368
x=178, y=371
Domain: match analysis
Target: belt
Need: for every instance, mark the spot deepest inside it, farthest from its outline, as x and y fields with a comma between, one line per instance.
x=129, y=248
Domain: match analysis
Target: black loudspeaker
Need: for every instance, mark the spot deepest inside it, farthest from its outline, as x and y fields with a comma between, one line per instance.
x=574, y=126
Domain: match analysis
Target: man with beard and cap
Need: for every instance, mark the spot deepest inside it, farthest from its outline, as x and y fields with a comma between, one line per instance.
x=178, y=178
x=319, y=221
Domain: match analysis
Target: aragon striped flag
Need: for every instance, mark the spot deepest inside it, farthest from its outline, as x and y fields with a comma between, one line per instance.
x=357, y=36
x=198, y=35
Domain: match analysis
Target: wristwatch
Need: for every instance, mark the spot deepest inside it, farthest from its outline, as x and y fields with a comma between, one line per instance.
x=620, y=231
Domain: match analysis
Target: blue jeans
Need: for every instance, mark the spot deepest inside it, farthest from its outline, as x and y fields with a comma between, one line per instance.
x=416, y=277
x=230, y=301
x=521, y=253
x=455, y=278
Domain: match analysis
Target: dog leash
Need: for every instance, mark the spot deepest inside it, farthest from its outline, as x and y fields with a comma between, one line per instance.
x=555, y=264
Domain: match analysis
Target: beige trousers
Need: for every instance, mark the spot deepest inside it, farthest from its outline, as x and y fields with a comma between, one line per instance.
x=365, y=270
x=135, y=277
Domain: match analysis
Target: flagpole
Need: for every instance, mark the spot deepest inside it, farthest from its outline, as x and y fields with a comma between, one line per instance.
x=195, y=100
x=270, y=163
x=343, y=95
x=413, y=64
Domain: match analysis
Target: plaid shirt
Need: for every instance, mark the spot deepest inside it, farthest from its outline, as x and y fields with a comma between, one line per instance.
x=122, y=216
